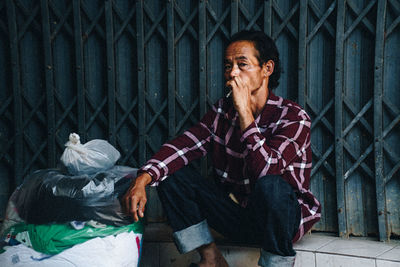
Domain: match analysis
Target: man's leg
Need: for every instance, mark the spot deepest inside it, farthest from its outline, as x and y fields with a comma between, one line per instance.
x=271, y=218
x=274, y=208
x=190, y=201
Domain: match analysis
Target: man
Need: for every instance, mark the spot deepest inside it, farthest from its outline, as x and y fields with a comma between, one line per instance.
x=260, y=145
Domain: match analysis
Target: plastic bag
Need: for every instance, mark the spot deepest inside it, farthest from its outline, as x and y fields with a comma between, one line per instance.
x=89, y=158
x=120, y=250
x=50, y=195
x=12, y=217
x=55, y=238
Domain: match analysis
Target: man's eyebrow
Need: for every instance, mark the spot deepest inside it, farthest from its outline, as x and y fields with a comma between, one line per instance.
x=236, y=58
x=240, y=58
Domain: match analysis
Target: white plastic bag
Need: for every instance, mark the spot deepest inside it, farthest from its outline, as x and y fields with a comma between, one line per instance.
x=89, y=158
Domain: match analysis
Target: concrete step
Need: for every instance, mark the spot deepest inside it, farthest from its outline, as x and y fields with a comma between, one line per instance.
x=314, y=250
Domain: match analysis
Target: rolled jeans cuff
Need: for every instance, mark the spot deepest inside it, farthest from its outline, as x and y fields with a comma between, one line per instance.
x=193, y=237
x=268, y=259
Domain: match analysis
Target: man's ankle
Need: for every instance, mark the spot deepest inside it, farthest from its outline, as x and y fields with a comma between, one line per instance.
x=208, y=251
x=211, y=256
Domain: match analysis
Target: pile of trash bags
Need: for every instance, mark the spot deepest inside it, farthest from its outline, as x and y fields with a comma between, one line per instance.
x=56, y=217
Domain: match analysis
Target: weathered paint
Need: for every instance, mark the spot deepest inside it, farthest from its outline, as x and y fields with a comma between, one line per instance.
x=137, y=73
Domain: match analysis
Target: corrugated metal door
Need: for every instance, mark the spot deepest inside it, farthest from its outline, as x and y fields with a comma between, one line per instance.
x=138, y=72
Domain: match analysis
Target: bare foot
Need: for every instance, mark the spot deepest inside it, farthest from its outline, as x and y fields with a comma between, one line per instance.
x=211, y=256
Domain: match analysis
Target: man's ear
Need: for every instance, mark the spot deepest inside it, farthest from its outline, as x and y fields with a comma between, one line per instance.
x=268, y=68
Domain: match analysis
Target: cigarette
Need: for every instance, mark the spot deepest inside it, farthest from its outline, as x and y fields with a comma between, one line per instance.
x=228, y=94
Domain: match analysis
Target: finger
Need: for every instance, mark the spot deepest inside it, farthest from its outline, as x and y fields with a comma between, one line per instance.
x=229, y=83
x=232, y=85
x=142, y=205
x=133, y=208
x=239, y=82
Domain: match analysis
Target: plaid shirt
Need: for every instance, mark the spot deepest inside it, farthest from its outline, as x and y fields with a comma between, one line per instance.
x=277, y=142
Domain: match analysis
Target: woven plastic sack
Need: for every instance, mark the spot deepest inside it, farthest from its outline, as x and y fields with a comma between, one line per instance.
x=91, y=157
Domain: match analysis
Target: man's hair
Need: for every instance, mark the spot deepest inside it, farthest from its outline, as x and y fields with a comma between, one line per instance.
x=267, y=50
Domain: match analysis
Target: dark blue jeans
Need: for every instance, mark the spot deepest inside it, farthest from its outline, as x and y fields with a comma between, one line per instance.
x=270, y=220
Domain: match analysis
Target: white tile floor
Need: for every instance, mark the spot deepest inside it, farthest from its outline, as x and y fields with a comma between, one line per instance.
x=312, y=251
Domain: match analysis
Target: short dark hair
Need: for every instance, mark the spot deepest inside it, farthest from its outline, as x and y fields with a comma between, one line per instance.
x=267, y=50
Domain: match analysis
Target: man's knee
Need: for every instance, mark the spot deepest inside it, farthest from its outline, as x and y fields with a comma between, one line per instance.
x=277, y=197
x=273, y=189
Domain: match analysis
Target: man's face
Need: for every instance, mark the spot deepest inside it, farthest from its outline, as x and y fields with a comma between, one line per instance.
x=240, y=60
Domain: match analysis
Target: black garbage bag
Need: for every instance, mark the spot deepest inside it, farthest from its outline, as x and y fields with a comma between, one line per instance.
x=54, y=196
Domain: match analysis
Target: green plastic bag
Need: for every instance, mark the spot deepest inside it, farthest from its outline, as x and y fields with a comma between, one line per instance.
x=55, y=238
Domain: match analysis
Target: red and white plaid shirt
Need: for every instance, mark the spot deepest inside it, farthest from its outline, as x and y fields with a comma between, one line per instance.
x=277, y=142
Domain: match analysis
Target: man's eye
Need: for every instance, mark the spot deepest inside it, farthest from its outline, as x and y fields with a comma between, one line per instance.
x=242, y=65
x=228, y=67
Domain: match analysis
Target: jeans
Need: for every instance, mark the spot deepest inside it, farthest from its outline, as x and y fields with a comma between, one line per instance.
x=270, y=220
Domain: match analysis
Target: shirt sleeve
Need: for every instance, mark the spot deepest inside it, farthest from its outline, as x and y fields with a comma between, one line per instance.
x=173, y=155
x=272, y=154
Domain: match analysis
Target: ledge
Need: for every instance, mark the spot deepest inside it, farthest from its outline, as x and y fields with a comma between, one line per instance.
x=313, y=250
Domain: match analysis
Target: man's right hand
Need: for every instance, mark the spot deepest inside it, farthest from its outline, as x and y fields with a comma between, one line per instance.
x=134, y=200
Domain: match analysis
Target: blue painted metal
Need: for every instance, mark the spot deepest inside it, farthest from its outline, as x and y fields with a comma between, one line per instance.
x=79, y=66
x=302, y=84
x=340, y=186
x=390, y=123
x=378, y=121
x=357, y=137
x=234, y=16
x=7, y=137
x=268, y=17
x=171, y=67
x=111, y=99
x=16, y=84
x=203, y=67
x=141, y=81
x=137, y=73
x=318, y=94
x=48, y=66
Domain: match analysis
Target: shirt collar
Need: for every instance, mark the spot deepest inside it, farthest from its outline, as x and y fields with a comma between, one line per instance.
x=269, y=111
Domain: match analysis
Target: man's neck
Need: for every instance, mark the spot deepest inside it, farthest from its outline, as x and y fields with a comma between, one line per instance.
x=259, y=99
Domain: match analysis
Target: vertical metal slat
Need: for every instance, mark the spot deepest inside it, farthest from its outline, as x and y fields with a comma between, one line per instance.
x=202, y=57
x=203, y=69
x=378, y=125
x=17, y=94
x=49, y=85
x=141, y=82
x=268, y=17
x=234, y=16
x=80, y=90
x=110, y=72
x=171, y=67
x=302, y=53
x=340, y=182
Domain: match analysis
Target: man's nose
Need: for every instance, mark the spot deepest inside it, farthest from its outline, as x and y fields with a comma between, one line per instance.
x=234, y=72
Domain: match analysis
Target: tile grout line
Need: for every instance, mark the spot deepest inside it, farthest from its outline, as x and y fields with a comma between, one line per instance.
x=324, y=245
x=316, y=249
x=315, y=259
x=386, y=251
x=353, y=256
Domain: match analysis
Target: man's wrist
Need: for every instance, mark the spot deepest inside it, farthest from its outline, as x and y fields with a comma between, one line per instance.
x=245, y=118
x=143, y=179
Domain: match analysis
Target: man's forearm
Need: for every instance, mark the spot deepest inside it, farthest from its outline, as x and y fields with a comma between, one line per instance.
x=245, y=118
